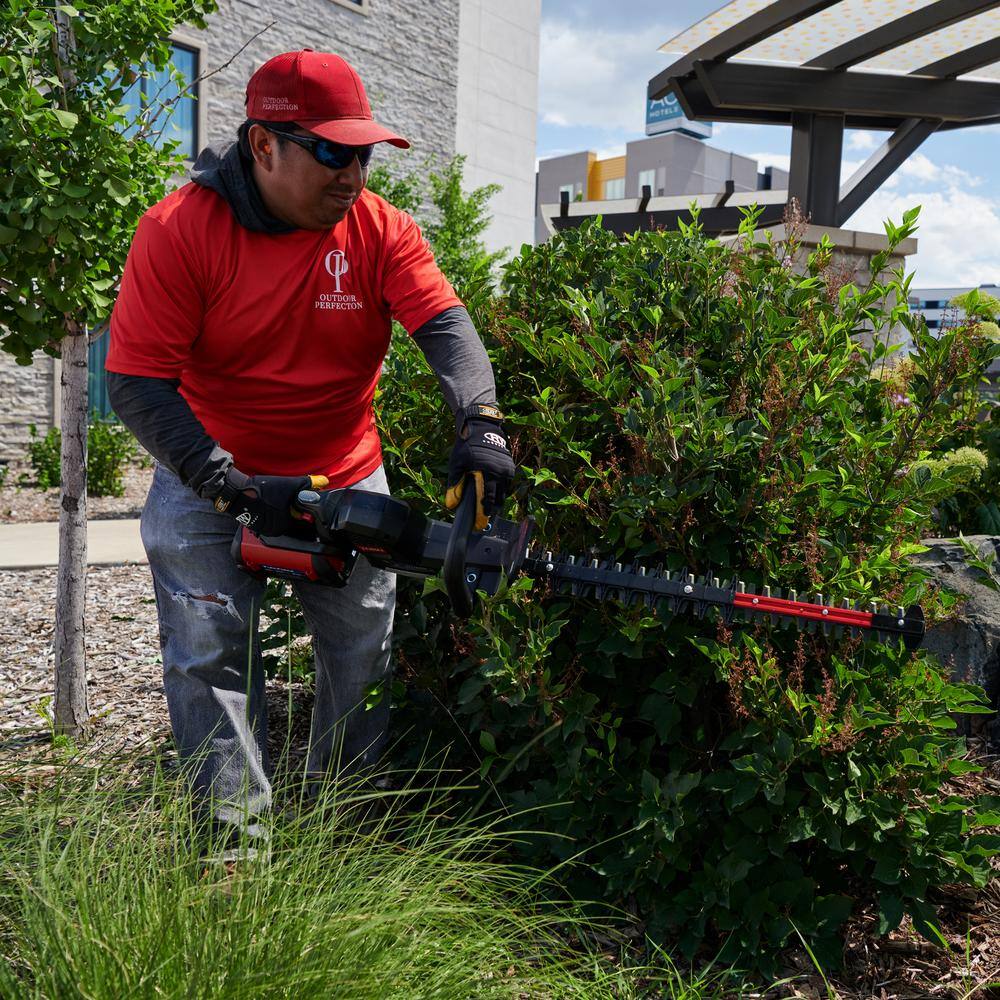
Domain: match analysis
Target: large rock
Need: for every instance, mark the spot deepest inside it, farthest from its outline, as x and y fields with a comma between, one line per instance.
x=969, y=643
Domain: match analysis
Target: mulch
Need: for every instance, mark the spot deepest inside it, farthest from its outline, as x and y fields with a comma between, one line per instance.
x=124, y=686
x=21, y=501
x=126, y=699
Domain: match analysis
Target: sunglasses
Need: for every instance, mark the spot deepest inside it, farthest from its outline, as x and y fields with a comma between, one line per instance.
x=335, y=155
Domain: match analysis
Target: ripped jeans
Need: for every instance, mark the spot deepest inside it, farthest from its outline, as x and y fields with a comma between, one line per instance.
x=213, y=677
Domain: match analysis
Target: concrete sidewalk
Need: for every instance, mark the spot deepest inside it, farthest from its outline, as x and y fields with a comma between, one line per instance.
x=25, y=546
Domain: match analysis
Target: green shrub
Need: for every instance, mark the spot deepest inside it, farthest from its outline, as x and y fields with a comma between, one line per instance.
x=970, y=455
x=43, y=453
x=676, y=401
x=285, y=623
x=978, y=306
x=974, y=509
x=455, y=228
x=977, y=511
x=452, y=220
x=110, y=447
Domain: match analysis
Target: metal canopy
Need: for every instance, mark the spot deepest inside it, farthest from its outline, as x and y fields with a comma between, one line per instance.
x=911, y=67
x=720, y=213
x=716, y=221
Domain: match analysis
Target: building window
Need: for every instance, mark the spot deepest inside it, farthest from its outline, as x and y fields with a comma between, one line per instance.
x=647, y=178
x=182, y=125
x=361, y=6
x=614, y=189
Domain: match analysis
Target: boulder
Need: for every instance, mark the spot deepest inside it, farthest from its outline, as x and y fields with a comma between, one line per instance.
x=968, y=643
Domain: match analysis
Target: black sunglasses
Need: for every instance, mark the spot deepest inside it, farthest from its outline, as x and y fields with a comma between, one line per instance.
x=335, y=155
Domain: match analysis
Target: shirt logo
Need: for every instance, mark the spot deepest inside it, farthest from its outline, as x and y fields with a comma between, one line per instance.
x=337, y=266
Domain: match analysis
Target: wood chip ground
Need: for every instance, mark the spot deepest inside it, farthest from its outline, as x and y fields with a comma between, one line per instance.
x=20, y=504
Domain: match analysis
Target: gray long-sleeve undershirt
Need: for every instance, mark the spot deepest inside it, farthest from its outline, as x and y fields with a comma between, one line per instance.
x=165, y=425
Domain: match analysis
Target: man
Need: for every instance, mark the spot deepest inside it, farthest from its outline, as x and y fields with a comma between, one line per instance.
x=246, y=345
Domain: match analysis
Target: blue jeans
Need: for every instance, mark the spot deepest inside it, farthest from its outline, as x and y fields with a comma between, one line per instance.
x=213, y=677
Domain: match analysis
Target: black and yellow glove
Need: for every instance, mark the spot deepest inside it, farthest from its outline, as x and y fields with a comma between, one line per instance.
x=264, y=503
x=482, y=454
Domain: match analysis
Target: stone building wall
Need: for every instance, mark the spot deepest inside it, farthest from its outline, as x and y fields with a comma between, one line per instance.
x=406, y=52
x=26, y=397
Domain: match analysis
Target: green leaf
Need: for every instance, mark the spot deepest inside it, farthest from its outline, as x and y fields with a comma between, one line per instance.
x=890, y=912
x=67, y=119
x=819, y=476
x=119, y=189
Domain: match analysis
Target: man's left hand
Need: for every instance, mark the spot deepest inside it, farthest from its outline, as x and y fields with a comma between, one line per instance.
x=481, y=455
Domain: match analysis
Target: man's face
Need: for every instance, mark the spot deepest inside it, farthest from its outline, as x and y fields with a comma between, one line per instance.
x=296, y=187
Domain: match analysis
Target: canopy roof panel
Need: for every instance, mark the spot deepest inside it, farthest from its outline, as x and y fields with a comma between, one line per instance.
x=811, y=38
x=727, y=16
x=990, y=72
x=803, y=40
x=928, y=49
x=911, y=67
x=767, y=60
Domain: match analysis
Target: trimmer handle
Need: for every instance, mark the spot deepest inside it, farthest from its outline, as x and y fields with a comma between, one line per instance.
x=461, y=589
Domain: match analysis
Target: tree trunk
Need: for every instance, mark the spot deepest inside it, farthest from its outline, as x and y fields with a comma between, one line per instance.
x=71, y=709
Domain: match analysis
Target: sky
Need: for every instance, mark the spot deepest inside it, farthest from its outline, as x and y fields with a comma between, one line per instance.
x=597, y=57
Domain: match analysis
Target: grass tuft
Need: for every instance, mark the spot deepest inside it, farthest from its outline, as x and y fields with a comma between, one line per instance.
x=105, y=893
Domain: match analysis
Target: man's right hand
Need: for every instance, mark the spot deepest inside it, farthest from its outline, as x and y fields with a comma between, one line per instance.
x=264, y=503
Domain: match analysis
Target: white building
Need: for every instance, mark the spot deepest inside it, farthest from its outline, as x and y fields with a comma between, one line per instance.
x=498, y=111
x=934, y=304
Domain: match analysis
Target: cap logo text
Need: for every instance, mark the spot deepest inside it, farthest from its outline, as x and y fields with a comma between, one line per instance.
x=277, y=104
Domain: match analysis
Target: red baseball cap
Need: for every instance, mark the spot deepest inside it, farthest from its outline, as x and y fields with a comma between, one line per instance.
x=319, y=91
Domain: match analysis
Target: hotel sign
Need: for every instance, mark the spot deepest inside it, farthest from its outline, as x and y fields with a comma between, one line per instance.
x=666, y=115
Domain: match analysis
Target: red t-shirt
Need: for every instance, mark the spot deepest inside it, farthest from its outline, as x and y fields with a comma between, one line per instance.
x=278, y=341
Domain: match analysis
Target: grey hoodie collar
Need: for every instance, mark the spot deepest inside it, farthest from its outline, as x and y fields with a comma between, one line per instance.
x=227, y=172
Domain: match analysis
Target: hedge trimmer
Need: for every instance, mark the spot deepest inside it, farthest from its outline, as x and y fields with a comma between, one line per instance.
x=390, y=534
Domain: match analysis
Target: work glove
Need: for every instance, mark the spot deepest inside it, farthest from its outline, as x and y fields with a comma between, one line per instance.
x=264, y=503
x=482, y=455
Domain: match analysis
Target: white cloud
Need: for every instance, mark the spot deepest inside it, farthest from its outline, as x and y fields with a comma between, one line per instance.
x=948, y=255
x=590, y=76
x=779, y=160
x=782, y=162
x=848, y=168
x=609, y=151
x=921, y=168
x=862, y=141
